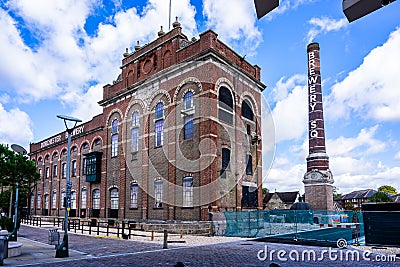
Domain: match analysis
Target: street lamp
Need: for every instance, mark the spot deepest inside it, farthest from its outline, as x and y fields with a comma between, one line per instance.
x=13, y=236
x=62, y=249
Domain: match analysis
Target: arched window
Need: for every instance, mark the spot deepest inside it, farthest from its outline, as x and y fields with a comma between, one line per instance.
x=114, y=199
x=54, y=200
x=62, y=202
x=114, y=127
x=247, y=112
x=134, y=195
x=188, y=100
x=158, y=191
x=188, y=192
x=225, y=104
x=83, y=198
x=135, y=131
x=114, y=138
x=135, y=118
x=38, y=201
x=73, y=200
x=159, y=124
x=249, y=165
x=226, y=157
x=96, y=199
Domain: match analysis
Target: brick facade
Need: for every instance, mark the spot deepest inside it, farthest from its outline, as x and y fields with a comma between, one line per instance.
x=144, y=178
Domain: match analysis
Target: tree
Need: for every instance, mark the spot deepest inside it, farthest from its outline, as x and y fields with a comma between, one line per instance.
x=388, y=189
x=380, y=197
x=15, y=169
x=265, y=191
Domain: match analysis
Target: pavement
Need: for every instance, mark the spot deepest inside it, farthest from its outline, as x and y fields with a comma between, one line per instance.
x=93, y=251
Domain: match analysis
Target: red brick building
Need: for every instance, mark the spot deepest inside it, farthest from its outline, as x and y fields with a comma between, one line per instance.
x=178, y=136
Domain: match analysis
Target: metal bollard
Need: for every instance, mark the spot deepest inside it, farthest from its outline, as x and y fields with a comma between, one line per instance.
x=165, y=245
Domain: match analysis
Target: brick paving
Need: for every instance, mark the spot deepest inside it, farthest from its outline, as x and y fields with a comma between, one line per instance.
x=117, y=252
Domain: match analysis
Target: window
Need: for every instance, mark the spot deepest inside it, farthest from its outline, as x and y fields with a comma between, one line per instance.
x=64, y=170
x=85, y=146
x=83, y=198
x=47, y=170
x=159, y=110
x=188, y=192
x=54, y=200
x=225, y=102
x=114, y=199
x=46, y=201
x=55, y=170
x=247, y=112
x=32, y=200
x=188, y=128
x=226, y=157
x=135, y=119
x=135, y=139
x=249, y=165
x=188, y=100
x=159, y=124
x=114, y=145
x=134, y=195
x=38, y=201
x=62, y=202
x=74, y=168
x=114, y=127
x=40, y=172
x=158, y=193
x=92, y=166
x=159, y=132
x=96, y=199
x=73, y=200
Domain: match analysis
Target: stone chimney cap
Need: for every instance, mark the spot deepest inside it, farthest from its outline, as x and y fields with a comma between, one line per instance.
x=137, y=46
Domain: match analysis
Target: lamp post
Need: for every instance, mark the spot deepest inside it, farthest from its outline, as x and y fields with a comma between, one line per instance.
x=62, y=249
x=13, y=236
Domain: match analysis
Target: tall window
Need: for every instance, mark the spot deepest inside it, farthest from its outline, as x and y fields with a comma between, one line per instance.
x=188, y=192
x=188, y=100
x=114, y=138
x=226, y=157
x=188, y=129
x=114, y=145
x=74, y=168
x=62, y=202
x=73, y=200
x=225, y=104
x=158, y=193
x=32, y=201
x=247, y=112
x=40, y=172
x=55, y=170
x=134, y=195
x=135, y=131
x=64, y=170
x=83, y=198
x=96, y=199
x=38, y=201
x=249, y=165
x=114, y=199
x=159, y=124
x=46, y=201
x=54, y=200
x=47, y=172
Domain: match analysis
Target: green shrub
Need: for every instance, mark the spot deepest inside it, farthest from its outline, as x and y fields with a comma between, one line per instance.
x=6, y=224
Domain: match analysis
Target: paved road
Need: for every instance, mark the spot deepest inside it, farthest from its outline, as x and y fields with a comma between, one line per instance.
x=92, y=251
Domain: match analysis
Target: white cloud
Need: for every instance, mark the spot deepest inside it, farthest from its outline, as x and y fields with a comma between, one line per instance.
x=290, y=112
x=362, y=145
x=397, y=156
x=16, y=127
x=372, y=90
x=324, y=25
x=285, y=176
x=286, y=5
x=65, y=58
x=238, y=28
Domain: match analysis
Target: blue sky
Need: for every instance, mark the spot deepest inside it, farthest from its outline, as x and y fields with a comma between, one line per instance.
x=57, y=55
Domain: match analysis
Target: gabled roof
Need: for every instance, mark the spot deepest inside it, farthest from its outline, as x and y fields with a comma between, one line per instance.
x=359, y=194
x=286, y=197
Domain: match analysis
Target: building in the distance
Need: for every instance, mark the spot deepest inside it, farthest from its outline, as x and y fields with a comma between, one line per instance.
x=179, y=136
x=355, y=199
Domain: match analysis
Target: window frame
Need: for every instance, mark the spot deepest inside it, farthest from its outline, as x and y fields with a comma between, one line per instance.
x=158, y=192
x=114, y=198
x=134, y=195
x=187, y=194
x=96, y=199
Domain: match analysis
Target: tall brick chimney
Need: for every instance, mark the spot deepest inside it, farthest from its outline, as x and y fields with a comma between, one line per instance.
x=318, y=181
